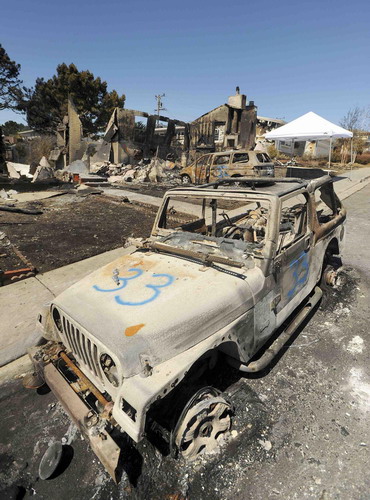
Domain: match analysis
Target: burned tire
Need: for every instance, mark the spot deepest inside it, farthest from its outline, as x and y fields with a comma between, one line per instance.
x=185, y=179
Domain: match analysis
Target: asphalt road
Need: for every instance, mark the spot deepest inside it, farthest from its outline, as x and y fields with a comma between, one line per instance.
x=302, y=426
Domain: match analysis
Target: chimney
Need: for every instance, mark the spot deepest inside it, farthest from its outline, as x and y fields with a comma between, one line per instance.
x=237, y=101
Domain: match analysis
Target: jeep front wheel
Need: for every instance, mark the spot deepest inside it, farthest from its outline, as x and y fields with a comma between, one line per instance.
x=204, y=421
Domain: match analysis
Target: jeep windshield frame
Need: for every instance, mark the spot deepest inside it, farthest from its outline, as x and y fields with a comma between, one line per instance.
x=216, y=236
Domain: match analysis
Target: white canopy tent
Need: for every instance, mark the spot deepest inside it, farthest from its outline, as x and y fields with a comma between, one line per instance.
x=309, y=127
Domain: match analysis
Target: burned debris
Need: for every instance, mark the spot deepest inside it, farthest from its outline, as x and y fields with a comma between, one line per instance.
x=143, y=149
x=20, y=268
x=128, y=151
x=139, y=147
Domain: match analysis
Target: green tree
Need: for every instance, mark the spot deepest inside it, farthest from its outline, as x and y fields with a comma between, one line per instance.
x=12, y=128
x=11, y=90
x=10, y=93
x=47, y=104
x=140, y=131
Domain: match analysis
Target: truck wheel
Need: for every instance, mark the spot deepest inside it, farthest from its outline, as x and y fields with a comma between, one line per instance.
x=204, y=420
x=185, y=179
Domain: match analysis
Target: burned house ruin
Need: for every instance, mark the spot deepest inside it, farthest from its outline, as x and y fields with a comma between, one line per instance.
x=69, y=136
x=132, y=135
x=229, y=126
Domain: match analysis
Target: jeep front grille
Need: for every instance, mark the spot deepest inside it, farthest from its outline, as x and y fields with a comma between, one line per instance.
x=84, y=349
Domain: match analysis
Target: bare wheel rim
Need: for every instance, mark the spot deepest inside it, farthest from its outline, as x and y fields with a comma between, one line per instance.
x=185, y=179
x=202, y=427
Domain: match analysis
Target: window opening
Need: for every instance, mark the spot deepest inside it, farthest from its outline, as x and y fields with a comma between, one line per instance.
x=240, y=157
x=219, y=221
x=327, y=203
x=221, y=160
x=293, y=221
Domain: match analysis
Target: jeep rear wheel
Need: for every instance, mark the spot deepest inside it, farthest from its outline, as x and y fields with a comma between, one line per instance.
x=332, y=277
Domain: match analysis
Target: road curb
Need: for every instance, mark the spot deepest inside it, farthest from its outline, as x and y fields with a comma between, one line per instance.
x=355, y=188
x=16, y=369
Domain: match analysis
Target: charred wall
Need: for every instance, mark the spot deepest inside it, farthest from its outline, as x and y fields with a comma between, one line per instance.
x=128, y=142
x=226, y=127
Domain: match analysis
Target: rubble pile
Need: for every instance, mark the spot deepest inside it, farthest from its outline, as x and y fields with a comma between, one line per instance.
x=36, y=172
x=44, y=171
x=154, y=170
x=146, y=170
x=18, y=170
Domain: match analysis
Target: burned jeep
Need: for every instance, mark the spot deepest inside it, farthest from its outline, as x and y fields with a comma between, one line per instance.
x=213, y=285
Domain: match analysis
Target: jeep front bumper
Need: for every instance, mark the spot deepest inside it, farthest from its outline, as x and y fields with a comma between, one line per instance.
x=95, y=425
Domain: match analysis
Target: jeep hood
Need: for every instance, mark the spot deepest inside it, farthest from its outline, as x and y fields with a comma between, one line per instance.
x=155, y=305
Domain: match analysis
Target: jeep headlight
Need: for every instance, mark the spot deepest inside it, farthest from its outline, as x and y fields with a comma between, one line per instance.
x=57, y=319
x=110, y=369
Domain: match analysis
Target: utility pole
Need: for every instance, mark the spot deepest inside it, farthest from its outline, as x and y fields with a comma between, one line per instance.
x=160, y=106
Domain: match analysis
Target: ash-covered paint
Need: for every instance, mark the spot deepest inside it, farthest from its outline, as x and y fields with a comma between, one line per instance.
x=175, y=336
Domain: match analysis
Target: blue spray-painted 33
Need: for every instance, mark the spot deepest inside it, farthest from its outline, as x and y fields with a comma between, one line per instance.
x=124, y=281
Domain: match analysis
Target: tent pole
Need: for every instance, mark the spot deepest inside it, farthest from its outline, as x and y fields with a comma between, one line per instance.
x=331, y=138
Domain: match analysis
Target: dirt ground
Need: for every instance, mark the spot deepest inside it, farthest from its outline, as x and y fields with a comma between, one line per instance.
x=71, y=228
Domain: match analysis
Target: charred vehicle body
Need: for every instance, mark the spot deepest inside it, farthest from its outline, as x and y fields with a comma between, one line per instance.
x=236, y=163
x=217, y=285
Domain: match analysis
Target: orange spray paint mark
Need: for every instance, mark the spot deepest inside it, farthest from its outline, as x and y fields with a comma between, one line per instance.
x=131, y=330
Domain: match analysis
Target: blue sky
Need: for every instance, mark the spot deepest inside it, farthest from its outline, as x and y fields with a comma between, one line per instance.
x=290, y=57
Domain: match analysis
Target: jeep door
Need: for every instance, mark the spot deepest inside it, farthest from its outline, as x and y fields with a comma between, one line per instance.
x=293, y=256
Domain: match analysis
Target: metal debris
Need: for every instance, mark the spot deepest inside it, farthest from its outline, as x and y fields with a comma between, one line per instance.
x=50, y=460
